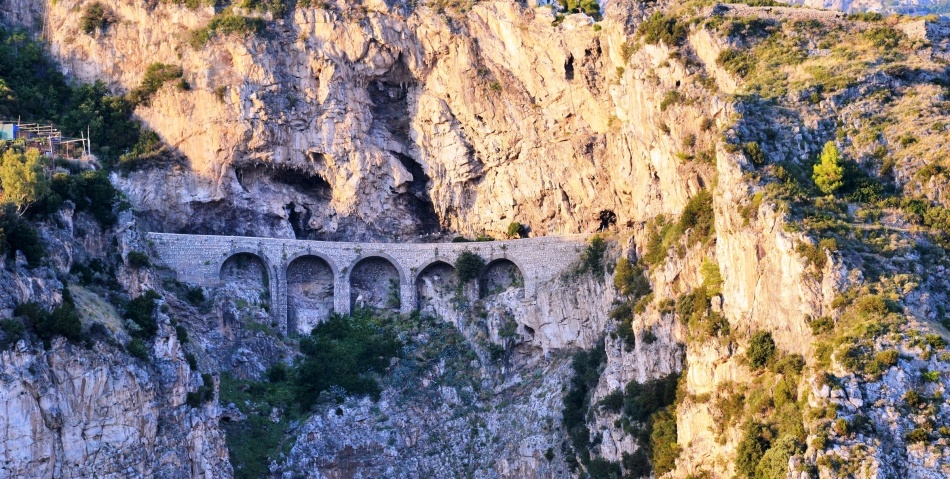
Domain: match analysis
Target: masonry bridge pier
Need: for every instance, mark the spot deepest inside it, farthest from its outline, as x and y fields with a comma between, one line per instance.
x=307, y=280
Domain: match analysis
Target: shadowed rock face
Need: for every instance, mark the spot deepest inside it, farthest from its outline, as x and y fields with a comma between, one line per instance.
x=435, y=284
x=345, y=124
x=309, y=293
x=374, y=283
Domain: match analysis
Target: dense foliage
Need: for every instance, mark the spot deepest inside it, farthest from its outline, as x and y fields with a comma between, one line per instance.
x=344, y=352
x=587, y=368
x=140, y=313
x=33, y=89
x=468, y=266
x=63, y=320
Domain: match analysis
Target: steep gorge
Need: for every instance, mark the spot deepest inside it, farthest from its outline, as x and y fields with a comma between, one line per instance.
x=389, y=122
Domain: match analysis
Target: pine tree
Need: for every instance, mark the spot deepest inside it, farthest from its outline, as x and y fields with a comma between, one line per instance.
x=828, y=173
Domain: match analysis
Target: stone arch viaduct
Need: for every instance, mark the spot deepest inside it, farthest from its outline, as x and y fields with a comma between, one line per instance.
x=199, y=259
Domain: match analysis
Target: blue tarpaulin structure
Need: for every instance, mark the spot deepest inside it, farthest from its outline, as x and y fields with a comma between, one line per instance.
x=8, y=131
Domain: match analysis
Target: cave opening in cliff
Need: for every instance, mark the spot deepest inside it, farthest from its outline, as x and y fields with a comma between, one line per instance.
x=416, y=199
x=389, y=94
x=569, y=68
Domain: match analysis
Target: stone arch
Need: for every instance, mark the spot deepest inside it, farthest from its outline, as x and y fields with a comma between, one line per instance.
x=375, y=281
x=310, y=289
x=434, y=284
x=247, y=273
x=501, y=274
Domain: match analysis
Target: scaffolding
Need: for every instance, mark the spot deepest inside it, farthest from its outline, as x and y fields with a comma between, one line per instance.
x=46, y=138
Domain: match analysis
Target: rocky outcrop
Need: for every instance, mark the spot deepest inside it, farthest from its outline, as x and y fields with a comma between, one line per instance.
x=77, y=412
x=346, y=122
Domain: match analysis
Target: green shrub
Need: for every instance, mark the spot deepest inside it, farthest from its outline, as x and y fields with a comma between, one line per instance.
x=468, y=266
x=755, y=441
x=95, y=17
x=698, y=218
x=226, y=23
x=663, y=442
x=278, y=373
x=181, y=333
x=588, y=7
x=866, y=17
x=917, y=435
x=576, y=403
x=670, y=98
x=192, y=361
x=62, y=321
x=822, y=325
x=637, y=464
x=140, y=311
x=828, y=174
x=13, y=331
x=90, y=191
x=913, y=399
x=761, y=349
x=592, y=258
x=204, y=394
x=887, y=358
x=612, y=402
x=515, y=230
x=870, y=307
x=137, y=349
x=884, y=37
x=754, y=153
x=195, y=296
x=774, y=463
x=600, y=468
x=712, y=278
x=138, y=260
x=630, y=281
x=17, y=234
x=643, y=400
x=661, y=28
x=935, y=341
x=156, y=75
x=739, y=64
x=345, y=352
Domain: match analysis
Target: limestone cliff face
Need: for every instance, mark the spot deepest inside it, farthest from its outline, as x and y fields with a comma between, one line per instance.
x=90, y=409
x=72, y=412
x=384, y=121
x=351, y=122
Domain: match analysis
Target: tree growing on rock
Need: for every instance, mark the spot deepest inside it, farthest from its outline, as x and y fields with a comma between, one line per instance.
x=468, y=266
x=828, y=174
x=23, y=179
x=588, y=7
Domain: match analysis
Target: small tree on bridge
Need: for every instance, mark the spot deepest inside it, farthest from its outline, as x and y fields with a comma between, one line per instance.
x=468, y=266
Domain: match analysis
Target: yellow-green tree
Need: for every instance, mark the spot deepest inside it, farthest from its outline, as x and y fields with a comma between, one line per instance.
x=22, y=178
x=828, y=174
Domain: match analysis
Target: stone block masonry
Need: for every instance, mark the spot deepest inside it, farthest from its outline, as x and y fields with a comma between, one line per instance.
x=198, y=259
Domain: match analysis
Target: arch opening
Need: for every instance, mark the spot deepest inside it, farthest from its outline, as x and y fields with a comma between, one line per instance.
x=435, y=285
x=375, y=283
x=309, y=293
x=245, y=277
x=499, y=276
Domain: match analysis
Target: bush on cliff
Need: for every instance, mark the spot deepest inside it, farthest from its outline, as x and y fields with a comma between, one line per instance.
x=344, y=352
